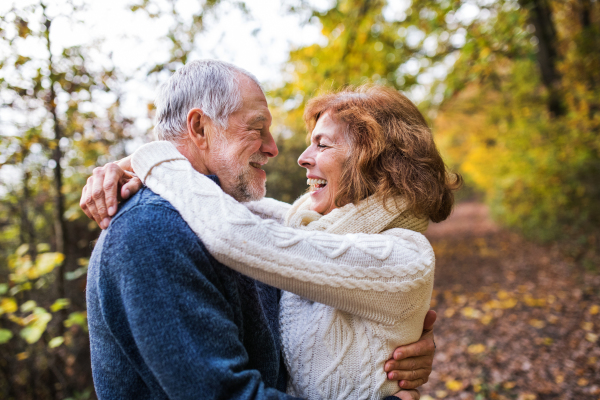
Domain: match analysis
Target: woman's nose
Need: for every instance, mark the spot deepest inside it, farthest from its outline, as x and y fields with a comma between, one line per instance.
x=306, y=159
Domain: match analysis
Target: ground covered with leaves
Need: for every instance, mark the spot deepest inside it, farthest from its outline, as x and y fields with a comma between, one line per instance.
x=516, y=320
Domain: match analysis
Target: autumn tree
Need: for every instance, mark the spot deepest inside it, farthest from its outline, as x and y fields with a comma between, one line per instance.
x=58, y=120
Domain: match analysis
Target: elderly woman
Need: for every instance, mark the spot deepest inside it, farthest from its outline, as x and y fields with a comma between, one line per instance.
x=372, y=168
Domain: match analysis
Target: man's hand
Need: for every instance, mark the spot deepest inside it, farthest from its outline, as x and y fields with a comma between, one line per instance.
x=412, y=364
x=99, y=197
x=406, y=395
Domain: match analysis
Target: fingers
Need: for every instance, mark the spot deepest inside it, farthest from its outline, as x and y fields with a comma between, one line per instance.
x=89, y=205
x=98, y=197
x=430, y=318
x=84, y=199
x=424, y=347
x=112, y=175
x=408, y=365
x=411, y=384
x=408, y=395
x=131, y=187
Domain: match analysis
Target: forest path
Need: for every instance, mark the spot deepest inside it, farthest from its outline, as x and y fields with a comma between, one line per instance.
x=516, y=320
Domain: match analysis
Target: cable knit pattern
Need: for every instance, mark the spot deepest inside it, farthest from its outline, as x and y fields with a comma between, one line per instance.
x=354, y=297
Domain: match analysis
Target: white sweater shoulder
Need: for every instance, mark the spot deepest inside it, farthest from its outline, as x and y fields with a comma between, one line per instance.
x=384, y=278
x=268, y=208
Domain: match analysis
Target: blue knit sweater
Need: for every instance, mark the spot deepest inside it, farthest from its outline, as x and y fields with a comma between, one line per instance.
x=167, y=321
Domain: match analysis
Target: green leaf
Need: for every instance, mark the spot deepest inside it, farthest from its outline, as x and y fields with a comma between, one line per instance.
x=34, y=331
x=55, y=342
x=5, y=335
x=22, y=250
x=77, y=318
x=3, y=288
x=59, y=304
x=28, y=306
x=43, y=248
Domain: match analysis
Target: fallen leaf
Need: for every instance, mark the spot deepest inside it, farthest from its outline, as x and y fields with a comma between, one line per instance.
x=454, y=385
x=537, y=323
x=594, y=309
x=583, y=382
x=591, y=337
x=440, y=394
x=476, y=348
x=509, y=385
x=587, y=326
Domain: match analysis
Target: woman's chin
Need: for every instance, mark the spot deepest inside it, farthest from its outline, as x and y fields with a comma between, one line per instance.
x=321, y=202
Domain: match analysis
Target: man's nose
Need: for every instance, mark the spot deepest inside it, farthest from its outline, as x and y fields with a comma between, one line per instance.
x=306, y=159
x=269, y=147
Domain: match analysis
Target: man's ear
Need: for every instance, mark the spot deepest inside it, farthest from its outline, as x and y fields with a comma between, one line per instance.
x=197, y=128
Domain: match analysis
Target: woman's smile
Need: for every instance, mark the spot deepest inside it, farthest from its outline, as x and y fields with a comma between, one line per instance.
x=324, y=160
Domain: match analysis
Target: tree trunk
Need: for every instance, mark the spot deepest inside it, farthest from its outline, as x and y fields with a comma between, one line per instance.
x=540, y=15
x=60, y=225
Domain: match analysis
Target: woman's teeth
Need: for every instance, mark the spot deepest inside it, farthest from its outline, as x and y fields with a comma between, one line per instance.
x=317, y=183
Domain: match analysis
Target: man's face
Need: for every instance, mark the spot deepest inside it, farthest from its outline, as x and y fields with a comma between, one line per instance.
x=237, y=155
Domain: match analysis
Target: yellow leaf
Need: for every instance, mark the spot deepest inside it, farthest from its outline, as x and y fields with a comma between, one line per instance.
x=591, y=337
x=595, y=309
x=509, y=303
x=552, y=318
x=46, y=262
x=449, y=313
x=22, y=356
x=548, y=341
x=8, y=305
x=486, y=319
x=509, y=385
x=587, y=326
x=426, y=397
x=527, y=396
x=537, y=323
x=592, y=360
x=440, y=394
x=502, y=295
x=582, y=382
x=454, y=385
x=559, y=379
x=470, y=312
x=476, y=348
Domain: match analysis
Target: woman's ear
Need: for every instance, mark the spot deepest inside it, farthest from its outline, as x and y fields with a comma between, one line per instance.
x=196, y=126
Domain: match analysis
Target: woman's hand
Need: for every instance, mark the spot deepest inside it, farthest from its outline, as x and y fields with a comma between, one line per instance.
x=99, y=197
x=412, y=364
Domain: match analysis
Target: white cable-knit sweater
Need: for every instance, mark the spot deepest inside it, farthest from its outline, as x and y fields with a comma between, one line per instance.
x=352, y=298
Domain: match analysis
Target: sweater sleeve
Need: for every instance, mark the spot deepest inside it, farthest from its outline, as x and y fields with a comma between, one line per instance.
x=384, y=277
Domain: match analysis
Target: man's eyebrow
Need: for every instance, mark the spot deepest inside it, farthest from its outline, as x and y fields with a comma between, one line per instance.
x=257, y=119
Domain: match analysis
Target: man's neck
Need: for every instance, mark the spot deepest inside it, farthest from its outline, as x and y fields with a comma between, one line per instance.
x=195, y=157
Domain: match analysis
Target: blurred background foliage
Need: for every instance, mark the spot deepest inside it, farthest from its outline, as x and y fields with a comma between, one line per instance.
x=511, y=89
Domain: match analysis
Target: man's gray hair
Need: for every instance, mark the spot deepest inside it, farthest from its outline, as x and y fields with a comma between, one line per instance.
x=210, y=85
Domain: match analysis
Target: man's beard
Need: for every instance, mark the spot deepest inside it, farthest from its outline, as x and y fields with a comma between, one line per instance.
x=247, y=189
x=237, y=180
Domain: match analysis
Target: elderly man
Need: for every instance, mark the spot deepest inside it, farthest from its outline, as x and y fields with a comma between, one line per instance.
x=168, y=321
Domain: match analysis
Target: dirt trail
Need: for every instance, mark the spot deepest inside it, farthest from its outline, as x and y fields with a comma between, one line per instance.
x=516, y=320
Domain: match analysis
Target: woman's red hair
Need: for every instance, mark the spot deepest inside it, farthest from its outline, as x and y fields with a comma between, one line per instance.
x=392, y=150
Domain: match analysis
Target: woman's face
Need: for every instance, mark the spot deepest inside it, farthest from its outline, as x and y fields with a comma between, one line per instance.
x=323, y=161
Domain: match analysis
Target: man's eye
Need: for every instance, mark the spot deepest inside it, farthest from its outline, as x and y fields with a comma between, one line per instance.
x=321, y=146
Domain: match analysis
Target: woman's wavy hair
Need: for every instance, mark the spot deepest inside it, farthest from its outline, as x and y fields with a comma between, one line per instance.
x=392, y=152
